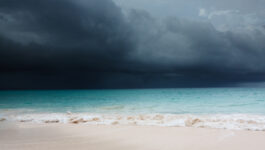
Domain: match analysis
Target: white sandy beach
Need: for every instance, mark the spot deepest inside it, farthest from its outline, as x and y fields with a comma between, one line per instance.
x=30, y=136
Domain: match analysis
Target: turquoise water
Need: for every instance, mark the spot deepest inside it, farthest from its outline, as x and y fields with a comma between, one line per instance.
x=139, y=101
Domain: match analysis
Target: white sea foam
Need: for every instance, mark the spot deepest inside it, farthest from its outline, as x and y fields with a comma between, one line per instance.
x=220, y=121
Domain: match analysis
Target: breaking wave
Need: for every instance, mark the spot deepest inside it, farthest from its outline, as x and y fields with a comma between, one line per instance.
x=218, y=121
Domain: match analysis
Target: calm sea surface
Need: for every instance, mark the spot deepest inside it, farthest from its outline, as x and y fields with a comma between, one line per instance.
x=139, y=101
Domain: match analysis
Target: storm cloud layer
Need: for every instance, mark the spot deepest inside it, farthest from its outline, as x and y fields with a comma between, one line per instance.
x=49, y=44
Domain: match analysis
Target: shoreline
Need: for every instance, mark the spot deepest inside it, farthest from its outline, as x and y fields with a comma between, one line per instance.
x=30, y=136
x=215, y=121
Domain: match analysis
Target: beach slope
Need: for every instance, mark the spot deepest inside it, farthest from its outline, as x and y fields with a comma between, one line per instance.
x=25, y=136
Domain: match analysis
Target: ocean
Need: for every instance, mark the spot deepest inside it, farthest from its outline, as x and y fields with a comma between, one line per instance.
x=227, y=108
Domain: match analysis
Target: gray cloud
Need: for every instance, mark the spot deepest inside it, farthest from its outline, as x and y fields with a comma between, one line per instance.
x=179, y=43
x=94, y=44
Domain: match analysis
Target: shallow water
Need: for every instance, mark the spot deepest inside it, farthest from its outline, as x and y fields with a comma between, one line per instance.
x=239, y=108
x=173, y=101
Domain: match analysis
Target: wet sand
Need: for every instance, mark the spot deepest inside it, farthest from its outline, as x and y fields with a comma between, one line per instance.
x=28, y=136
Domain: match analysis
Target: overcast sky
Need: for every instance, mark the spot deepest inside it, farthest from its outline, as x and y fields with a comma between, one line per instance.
x=72, y=44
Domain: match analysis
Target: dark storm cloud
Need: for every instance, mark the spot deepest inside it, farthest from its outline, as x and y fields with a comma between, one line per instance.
x=176, y=43
x=93, y=44
x=62, y=33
